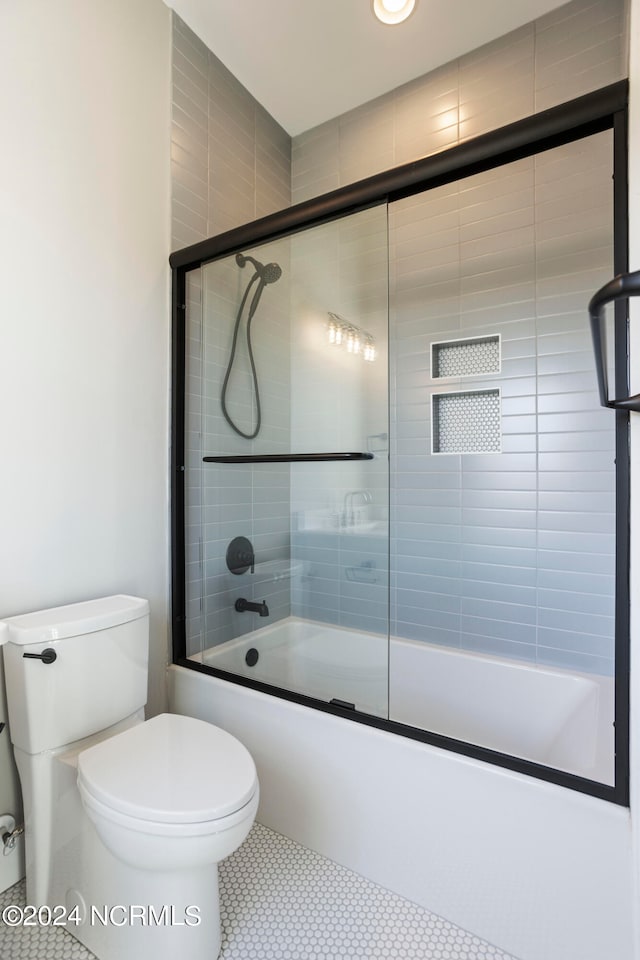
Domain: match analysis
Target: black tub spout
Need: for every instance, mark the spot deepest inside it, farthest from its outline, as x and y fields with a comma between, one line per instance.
x=261, y=608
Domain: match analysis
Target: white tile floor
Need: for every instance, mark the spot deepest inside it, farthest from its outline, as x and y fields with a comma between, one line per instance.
x=281, y=901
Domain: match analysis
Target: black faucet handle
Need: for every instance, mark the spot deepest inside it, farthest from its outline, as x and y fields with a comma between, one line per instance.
x=240, y=556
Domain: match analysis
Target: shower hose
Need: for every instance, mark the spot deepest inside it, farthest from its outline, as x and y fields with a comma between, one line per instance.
x=225, y=382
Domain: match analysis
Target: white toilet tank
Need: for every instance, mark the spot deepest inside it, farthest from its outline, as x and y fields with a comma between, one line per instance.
x=98, y=676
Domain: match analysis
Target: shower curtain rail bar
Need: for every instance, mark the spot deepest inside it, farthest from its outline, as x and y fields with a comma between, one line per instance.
x=288, y=457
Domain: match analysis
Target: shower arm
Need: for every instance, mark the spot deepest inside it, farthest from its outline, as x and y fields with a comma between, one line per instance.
x=620, y=288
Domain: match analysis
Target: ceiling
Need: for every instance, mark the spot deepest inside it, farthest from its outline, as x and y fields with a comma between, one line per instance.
x=307, y=61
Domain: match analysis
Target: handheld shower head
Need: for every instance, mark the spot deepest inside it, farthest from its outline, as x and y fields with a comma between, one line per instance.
x=264, y=274
x=268, y=273
x=271, y=272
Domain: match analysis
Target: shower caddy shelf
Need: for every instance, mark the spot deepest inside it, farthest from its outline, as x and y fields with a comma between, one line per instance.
x=288, y=457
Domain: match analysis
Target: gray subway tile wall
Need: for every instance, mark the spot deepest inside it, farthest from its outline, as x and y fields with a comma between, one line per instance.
x=503, y=530
x=578, y=48
x=252, y=499
x=479, y=541
x=230, y=163
x=571, y=51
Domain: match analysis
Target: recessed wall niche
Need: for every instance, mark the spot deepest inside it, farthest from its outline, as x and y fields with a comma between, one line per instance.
x=471, y=357
x=467, y=421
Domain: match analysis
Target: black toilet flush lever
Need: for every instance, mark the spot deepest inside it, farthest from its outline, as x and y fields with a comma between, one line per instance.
x=47, y=656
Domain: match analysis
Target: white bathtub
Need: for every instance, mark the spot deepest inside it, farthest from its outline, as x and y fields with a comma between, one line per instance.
x=542, y=871
x=312, y=658
x=553, y=717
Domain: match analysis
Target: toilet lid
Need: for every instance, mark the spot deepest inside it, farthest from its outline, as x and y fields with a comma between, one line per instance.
x=170, y=769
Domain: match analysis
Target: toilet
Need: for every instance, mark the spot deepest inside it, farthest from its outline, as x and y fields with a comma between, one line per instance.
x=126, y=820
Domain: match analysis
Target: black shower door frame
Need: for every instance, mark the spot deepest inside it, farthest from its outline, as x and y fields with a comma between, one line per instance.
x=605, y=109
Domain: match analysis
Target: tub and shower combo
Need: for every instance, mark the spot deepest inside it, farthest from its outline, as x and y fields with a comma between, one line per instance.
x=400, y=514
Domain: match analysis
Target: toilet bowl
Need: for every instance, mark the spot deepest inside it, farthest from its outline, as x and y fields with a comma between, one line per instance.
x=125, y=819
x=169, y=793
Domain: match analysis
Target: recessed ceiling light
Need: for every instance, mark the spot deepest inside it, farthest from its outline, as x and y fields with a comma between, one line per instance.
x=393, y=11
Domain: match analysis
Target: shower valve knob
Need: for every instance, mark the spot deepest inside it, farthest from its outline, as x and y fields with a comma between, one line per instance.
x=240, y=556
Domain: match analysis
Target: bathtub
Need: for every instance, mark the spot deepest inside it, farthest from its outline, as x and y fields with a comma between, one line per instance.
x=539, y=870
x=313, y=658
x=553, y=717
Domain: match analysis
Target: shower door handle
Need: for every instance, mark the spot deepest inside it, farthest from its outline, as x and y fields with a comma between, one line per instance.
x=620, y=288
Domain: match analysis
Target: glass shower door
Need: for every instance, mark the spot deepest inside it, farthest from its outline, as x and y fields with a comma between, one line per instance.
x=287, y=409
x=504, y=492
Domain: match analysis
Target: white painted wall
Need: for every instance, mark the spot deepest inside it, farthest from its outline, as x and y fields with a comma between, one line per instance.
x=84, y=321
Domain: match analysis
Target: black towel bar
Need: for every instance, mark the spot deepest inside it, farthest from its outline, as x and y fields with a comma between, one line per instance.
x=288, y=457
